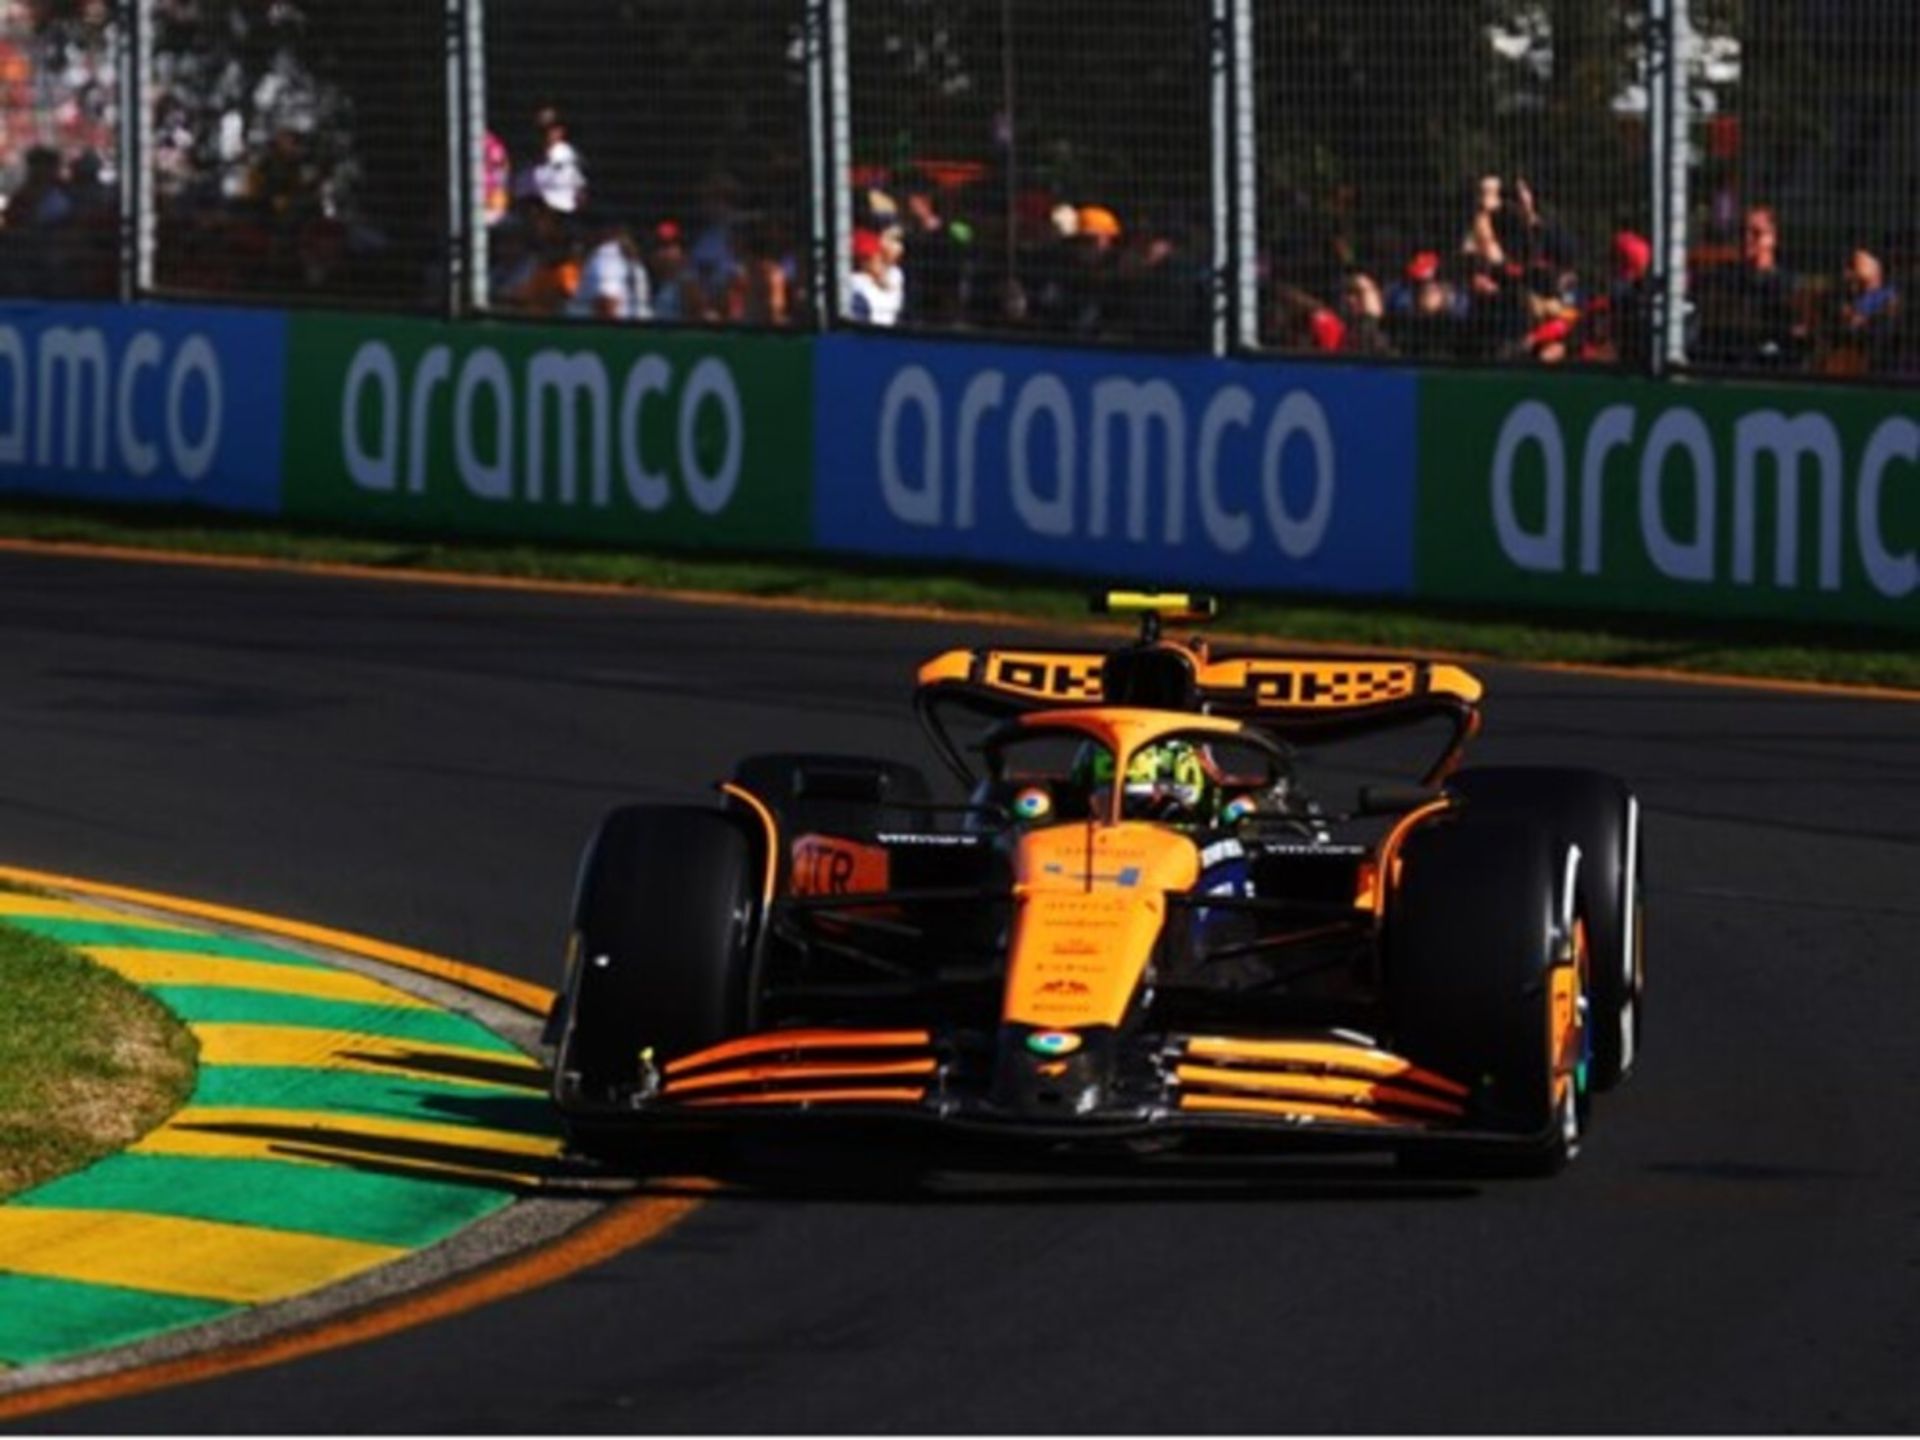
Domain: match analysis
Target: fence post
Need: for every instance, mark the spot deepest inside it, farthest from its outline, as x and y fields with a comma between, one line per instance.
x=829, y=156
x=819, y=167
x=135, y=84
x=1246, y=179
x=1220, y=289
x=1668, y=42
x=473, y=140
x=466, y=111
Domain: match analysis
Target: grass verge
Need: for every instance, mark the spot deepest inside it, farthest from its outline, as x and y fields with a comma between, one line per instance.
x=88, y=1062
x=1769, y=650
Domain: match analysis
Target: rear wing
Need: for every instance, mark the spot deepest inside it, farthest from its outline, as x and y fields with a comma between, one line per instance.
x=1293, y=699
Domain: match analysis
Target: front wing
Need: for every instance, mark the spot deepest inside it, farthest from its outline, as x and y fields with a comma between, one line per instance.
x=1318, y=1090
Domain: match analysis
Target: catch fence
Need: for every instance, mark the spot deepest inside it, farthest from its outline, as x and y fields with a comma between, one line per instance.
x=1638, y=185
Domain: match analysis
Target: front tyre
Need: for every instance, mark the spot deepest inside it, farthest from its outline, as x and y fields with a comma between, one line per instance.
x=661, y=955
x=1602, y=816
x=1484, y=974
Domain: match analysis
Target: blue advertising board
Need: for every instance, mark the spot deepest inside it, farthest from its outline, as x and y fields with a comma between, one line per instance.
x=1124, y=466
x=162, y=404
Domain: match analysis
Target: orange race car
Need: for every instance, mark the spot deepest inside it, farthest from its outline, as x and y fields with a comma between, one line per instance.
x=1146, y=917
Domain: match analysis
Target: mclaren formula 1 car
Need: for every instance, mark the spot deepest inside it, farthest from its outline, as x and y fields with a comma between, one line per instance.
x=1134, y=918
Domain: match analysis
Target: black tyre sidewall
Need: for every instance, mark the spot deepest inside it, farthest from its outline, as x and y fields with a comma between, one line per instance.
x=1594, y=811
x=662, y=920
x=1470, y=943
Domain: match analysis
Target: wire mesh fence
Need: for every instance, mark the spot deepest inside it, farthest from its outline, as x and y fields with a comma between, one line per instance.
x=648, y=160
x=59, y=117
x=1465, y=181
x=1462, y=181
x=1035, y=167
x=298, y=150
x=1804, y=191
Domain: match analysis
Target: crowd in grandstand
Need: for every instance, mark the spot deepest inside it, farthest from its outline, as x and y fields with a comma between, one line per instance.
x=945, y=248
x=1511, y=287
x=553, y=250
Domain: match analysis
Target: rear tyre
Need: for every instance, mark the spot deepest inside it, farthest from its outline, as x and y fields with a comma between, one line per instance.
x=661, y=955
x=1602, y=816
x=1482, y=987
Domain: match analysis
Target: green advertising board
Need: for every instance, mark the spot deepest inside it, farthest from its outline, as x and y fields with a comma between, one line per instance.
x=1694, y=499
x=550, y=433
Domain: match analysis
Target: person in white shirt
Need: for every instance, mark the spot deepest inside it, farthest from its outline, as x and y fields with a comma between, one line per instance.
x=559, y=177
x=614, y=284
x=879, y=289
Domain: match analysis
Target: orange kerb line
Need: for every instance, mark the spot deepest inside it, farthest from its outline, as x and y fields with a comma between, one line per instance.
x=522, y=994
x=902, y=610
x=632, y=1222
x=628, y=1224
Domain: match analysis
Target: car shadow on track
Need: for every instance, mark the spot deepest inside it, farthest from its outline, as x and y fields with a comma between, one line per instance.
x=808, y=1172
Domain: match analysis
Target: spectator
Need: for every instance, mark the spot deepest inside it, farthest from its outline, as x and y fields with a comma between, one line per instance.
x=1495, y=298
x=496, y=171
x=1364, y=313
x=613, y=282
x=676, y=295
x=95, y=244
x=1425, y=312
x=559, y=176
x=1870, y=316
x=935, y=293
x=879, y=285
x=1301, y=322
x=1619, y=324
x=1746, y=314
x=543, y=273
x=41, y=203
x=714, y=255
x=769, y=288
x=34, y=257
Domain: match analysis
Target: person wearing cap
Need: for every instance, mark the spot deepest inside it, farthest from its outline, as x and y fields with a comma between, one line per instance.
x=1424, y=311
x=878, y=292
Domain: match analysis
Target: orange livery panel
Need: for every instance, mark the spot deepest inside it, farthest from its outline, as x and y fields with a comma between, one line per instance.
x=1090, y=902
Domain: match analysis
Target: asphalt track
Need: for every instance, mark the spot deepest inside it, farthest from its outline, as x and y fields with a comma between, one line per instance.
x=1739, y=1249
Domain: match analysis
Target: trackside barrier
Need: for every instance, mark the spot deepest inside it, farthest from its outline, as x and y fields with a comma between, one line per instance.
x=1697, y=500
x=1735, y=501
x=158, y=404
x=683, y=439
x=1255, y=477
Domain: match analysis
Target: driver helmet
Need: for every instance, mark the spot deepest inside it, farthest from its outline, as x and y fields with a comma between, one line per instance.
x=1169, y=780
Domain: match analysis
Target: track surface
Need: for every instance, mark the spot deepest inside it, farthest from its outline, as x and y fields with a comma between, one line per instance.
x=1739, y=1248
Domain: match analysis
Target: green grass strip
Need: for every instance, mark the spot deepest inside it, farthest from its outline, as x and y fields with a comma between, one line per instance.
x=1858, y=655
x=332, y=1200
x=81, y=933
x=398, y=1097
x=47, y=1319
x=218, y=1004
x=88, y=1061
